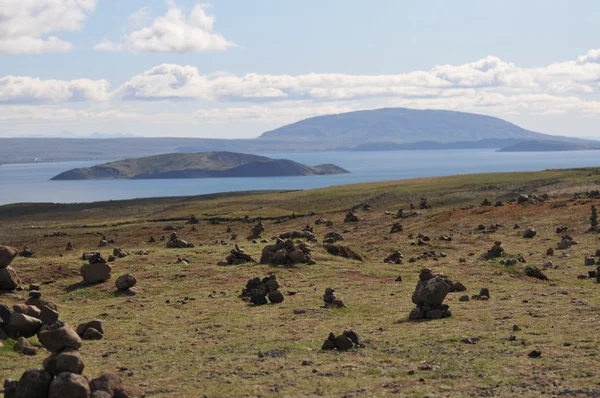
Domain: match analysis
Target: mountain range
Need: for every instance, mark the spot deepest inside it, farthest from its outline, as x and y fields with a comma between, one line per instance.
x=379, y=129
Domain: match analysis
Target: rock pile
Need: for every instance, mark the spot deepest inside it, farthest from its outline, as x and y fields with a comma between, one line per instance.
x=535, y=272
x=429, y=296
x=565, y=242
x=397, y=227
x=257, y=230
x=193, y=220
x=92, y=330
x=332, y=237
x=26, y=252
x=69, y=247
x=286, y=253
x=125, y=282
x=175, y=242
x=351, y=217
x=423, y=205
x=343, y=251
x=394, y=258
x=97, y=270
x=343, y=342
x=308, y=235
x=402, y=215
x=496, y=251
x=8, y=276
x=257, y=290
x=62, y=373
x=593, y=219
x=331, y=301
x=237, y=256
x=119, y=253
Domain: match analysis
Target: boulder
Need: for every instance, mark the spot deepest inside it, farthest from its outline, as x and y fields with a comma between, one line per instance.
x=589, y=261
x=343, y=251
x=69, y=385
x=68, y=360
x=275, y=296
x=58, y=337
x=95, y=273
x=297, y=256
x=7, y=255
x=41, y=303
x=92, y=334
x=34, y=384
x=8, y=279
x=21, y=325
x=126, y=281
x=529, y=233
x=112, y=384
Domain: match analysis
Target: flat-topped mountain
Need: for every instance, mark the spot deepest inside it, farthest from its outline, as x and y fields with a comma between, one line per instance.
x=198, y=165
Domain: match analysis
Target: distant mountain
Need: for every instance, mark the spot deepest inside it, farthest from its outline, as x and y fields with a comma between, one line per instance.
x=400, y=126
x=380, y=129
x=198, y=165
x=547, y=146
x=432, y=145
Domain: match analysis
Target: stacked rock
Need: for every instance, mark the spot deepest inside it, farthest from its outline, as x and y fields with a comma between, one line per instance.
x=8, y=276
x=237, y=256
x=429, y=296
x=97, y=270
x=61, y=376
x=286, y=253
x=125, y=284
x=69, y=247
x=343, y=342
x=92, y=330
x=119, y=253
x=565, y=242
x=257, y=290
x=25, y=320
x=394, y=258
x=397, y=227
x=175, y=242
x=332, y=237
x=496, y=251
x=331, y=301
x=308, y=235
x=257, y=230
x=351, y=217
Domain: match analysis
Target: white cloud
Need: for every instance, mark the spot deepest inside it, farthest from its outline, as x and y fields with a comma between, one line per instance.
x=174, y=32
x=264, y=114
x=24, y=24
x=20, y=89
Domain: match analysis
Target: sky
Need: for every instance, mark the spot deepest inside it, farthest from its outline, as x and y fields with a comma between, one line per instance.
x=237, y=68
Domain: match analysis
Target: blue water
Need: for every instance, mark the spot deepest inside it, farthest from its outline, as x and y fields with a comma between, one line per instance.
x=31, y=182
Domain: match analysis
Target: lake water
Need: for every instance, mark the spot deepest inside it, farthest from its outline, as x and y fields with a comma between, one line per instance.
x=31, y=182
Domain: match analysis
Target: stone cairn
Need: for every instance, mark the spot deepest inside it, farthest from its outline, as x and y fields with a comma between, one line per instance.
x=125, y=284
x=175, y=242
x=332, y=237
x=343, y=342
x=496, y=251
x=257, y=230
x=26, y=320
x=429, y=296
x=237, y=256
x=594, y=220
x=8, y=276
x=97, y=270
x=397, y=227
x=257, y=290
x=308, y=235
x=61, y=376
x=331, y=301
x=395, y=258
x=351, y=217
x=286, y=253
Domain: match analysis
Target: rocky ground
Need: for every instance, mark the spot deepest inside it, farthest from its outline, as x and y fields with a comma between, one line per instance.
x=184, y=330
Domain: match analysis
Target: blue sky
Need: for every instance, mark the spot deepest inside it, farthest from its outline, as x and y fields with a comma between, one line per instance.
x=238, y=68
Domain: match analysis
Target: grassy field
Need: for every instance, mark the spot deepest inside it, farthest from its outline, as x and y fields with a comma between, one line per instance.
x=213, y=344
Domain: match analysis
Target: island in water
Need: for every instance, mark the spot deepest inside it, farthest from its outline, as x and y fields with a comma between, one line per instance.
x=198, y=165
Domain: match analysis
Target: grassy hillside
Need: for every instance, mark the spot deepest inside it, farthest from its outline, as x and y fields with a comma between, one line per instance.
x=186, y=333
x=197, y=165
